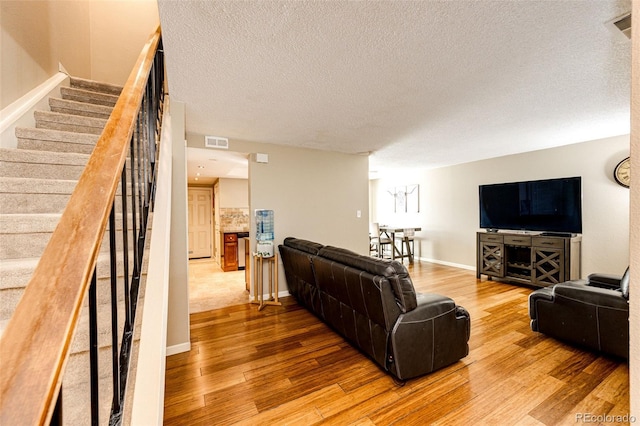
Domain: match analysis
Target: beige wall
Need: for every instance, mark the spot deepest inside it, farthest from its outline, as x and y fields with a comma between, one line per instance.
x=315, y=195
x=118, y=31
x=233, y=193
x=449, y=202
x=92, y=39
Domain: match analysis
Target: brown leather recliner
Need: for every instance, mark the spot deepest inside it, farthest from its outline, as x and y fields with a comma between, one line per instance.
x=592, y=313
x=373, y=304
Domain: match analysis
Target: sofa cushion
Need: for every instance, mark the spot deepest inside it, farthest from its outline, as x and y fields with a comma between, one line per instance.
x=394, y=271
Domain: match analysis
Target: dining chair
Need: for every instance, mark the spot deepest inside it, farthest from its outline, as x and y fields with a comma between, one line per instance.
x=407, y=246
x=378, y=243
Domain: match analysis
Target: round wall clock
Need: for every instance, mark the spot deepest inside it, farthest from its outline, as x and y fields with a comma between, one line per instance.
x=622, y=173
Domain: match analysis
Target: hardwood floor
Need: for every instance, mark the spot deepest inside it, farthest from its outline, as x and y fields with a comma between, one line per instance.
x=283, y=366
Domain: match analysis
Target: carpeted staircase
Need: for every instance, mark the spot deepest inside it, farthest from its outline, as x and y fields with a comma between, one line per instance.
x=36, y=181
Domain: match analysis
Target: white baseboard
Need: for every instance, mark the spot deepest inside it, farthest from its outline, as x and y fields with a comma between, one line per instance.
x=20, y=112
x=283, y=293
x=455, y=265
x=178, y=349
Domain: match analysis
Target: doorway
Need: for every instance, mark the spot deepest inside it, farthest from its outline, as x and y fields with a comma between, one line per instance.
x=215, y=172
x=199, y=216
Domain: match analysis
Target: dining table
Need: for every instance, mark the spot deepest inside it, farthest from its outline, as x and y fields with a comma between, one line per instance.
x=391, y=231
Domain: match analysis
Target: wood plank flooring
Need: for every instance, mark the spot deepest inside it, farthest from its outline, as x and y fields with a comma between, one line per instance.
x=283, y=366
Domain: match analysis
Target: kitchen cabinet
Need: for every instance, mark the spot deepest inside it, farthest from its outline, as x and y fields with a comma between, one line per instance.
x=230, y=252
x=247, y=262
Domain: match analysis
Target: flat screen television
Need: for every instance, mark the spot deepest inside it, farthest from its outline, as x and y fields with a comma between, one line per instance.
x=549, y=205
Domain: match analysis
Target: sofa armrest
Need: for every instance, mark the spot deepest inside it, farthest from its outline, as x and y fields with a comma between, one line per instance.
x=544, y=293
x=429, y=305
x=604, y=280
x=577, y=291
x=596, y=296
x=432, y=335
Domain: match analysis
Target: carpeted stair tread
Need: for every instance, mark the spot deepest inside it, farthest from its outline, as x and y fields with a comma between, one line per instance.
x=11, y=185
x=41, y=164
x=16, y=272
x=68, y=122
x=56, y=136
x=30, y=244
x=27, y=195
x=95, y=86
x=28, y=223
x=66, y=106
x=41, y=222
x=55, y=140
x=40, y=157
x=87, y=96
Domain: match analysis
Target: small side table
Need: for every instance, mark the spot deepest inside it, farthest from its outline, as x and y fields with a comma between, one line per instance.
x=258, y=281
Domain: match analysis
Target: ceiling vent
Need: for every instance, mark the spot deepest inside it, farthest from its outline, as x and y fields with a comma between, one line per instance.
x=216, y=142
x=622, y=24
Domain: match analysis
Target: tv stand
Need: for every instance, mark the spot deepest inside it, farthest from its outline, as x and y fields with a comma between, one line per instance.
x=533, y=259
x=557, y=234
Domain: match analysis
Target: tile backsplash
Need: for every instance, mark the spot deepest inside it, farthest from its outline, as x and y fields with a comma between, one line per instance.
x=235, y=219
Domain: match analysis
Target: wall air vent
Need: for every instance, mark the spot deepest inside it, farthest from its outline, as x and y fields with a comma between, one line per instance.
x=622, y=24
x=216, y=142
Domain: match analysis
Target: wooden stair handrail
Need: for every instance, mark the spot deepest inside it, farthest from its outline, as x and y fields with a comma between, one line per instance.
x=35, y=345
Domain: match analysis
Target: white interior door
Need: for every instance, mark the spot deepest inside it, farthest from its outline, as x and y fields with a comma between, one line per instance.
x=199, y=206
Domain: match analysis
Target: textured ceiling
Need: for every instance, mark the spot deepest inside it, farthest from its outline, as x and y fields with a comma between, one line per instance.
x=416, y=83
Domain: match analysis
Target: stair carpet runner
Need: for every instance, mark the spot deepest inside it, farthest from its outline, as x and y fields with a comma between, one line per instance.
x=36, y=181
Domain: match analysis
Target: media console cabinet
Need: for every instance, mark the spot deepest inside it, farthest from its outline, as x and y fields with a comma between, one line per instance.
x=526, y=258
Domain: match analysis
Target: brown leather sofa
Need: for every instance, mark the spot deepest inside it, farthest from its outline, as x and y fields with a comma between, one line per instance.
x=373, y=304
x=592, y=313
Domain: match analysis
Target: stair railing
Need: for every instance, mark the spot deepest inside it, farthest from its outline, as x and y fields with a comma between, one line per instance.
x=35, y=346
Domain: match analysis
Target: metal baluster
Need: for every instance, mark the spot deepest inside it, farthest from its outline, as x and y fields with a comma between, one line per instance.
x=145, y=150
x=56, y=417
x=140, y=185
x=153, y=124
x=153, y=105
x=136, y=266
x=125, y=249
x=114, y=310
x=93, y=347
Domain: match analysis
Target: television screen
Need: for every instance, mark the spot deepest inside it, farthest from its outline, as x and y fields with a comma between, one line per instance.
x=550, y=205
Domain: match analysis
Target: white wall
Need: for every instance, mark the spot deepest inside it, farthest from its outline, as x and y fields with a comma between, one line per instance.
x=449, y=202
x=178, y=331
